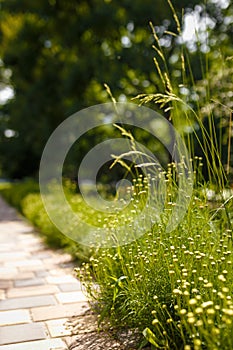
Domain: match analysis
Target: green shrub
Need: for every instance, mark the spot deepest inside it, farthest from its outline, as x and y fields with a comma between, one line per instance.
x=14, y=193
x=26, y=198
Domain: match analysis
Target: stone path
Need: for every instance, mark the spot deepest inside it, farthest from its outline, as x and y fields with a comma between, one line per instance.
x=38, y=290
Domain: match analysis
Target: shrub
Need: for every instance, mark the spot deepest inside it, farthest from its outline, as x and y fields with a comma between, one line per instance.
x=26, y=198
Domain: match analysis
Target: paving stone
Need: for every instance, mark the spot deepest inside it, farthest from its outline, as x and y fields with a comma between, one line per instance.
x=14, y=317
x=5, y=247
x=27, y=302
x=61, y=279
x=57, y=328
x=59, y=272
x=16, y=227
x=25, y=275
x=21, y=333
x=29, y=239
x=5, y=284
x=20, y=228
x=42, y=273
x=52, y=312
x=33, y=268
x=6, y=256
x=58, y=259
x=8, y=272
x=28, y=282
x=30, y=291
x=71, y=297
x=42, y=255
x=67, y=265
x=71, y=287
x=35, y=248
x=48, y=344
x=24, y=263
x=2, y=294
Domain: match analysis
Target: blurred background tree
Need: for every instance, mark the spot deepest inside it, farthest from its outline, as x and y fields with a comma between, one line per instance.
x=57, y=54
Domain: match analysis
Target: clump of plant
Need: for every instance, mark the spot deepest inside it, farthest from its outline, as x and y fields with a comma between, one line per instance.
x=176, y=287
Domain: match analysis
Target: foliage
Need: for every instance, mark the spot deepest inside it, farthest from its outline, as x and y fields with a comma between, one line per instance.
x=174, y=287
x=56, y=56
x=14, y=193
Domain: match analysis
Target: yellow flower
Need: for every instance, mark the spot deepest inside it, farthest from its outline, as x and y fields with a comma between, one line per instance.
x=198, y=310
x=222, y=278
x=183, y=311
x=207, y=304
x=191, y=320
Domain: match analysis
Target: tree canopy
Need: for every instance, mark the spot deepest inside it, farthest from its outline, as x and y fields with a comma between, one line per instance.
x=57, y=54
